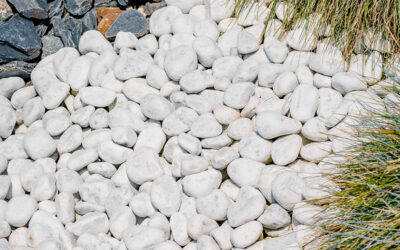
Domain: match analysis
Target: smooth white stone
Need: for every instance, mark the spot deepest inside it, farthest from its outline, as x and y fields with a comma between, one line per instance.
x=322, y=81
x=345, y=82
x=276, y=50
x=20, y=210
x=38, y=143
x=161, y=20
x=142, y=237
x=93, y=41
x=199, y=225
x=179, y=61
x=21, y=96
x=132, y=64
x=125, y=40
x=226, y=66
x=207, y=28
x=249, y=206
x=246, y=234
x=222, y=235
x=268, y=72
x=121, y=220
x=221, y=158
x=189, y=143
x=147, y=43
x=93, y=222
x=141, y=205
x=65, y=207
x=178, y=224
x=304, y=102
x=215, y=205
x=151, y=137
x=201, y=184
x=285, y=83
x=156, y=77
x=287, y=189
x=245, y=172
x=205, y=126
x=274, y=217
x=143, y=165
x=205, y=242
x=247, y=43
x=253, y=147
x=165, y=195
x=314, y=129
x=272, y=124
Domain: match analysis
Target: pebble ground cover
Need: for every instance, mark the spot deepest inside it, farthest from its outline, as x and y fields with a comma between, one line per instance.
x=195, y=136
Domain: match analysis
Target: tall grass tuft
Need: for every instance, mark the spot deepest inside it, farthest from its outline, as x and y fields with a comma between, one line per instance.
x=366, y=213
x=349, y=21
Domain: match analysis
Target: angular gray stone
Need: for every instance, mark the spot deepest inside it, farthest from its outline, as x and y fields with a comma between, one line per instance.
x=51, y=44
x=18, y=40
x=36, y=9
x=78, y=7
x=129, y=21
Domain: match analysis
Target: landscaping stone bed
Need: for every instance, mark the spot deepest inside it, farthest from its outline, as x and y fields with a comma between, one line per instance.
x=206, y=133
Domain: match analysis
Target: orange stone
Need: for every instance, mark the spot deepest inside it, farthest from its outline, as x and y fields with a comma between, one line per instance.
x=106, y=17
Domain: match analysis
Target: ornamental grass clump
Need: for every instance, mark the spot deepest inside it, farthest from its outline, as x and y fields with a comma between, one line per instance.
x=350, y=24
x=366, y=213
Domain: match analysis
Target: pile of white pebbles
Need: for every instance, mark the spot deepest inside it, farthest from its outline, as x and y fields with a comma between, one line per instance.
x=196, y=136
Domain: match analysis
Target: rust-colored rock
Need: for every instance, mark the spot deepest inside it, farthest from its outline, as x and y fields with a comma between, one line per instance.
x=106, y=17
x=5, y=10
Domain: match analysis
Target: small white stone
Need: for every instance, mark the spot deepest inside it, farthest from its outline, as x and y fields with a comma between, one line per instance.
x=237, y=95
x=304, y=102
x=142, y=237
x=222, y=235
x=32, y=111
x=112, y=153
x=156, y=76
x=205, y=242
x=141, y=205
x=65, y=207
x=78, y=74
x=68, y=180
x=132, y=64
x=215, y=205
x=301, y=39
x=125, y=40
x=225, y=115
x=316, y=151
x=195, y=81
x=44, y=187
x=305, y=76
x=178, y=224
x=206, y=28
x=161, y=20
x=285, y=83
x=93, y=41
x=314, y=129
x=306, y=214
x=345, y=82
x=245, y=172
x=221, y=158
x=249, y=206
x=165, y=195
x=179, y=61
x=220, y=9
x=199, y=225
x=253, y=147
x=228, y=42
x=240, y=128
x=276, y=50
x=287, y=189
x=9, y=85
x=151, y=137
x=201, y=184
x=121, y=219
x=143, y=165
x=205, y=126
x=183, y=24
x=38, y=143
x=8, y=119
x=97, y=96
x=247, y=43
x=268, y=72
x=81, y=158
x=124, y=136
x=274, y=217
x=321, y=81
x=207, y=50
x=272, y=124
x=147, y=43
x=189, y=143
x=21, y=96
x=246, y=234
x=20, y=210
x=93, y=222
x=226, y=66
x=82, y=115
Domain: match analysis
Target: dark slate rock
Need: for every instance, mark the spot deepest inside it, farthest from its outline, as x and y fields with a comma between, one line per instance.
x=56, y=8
x=51, y=44
x=105, y=3
x=78, y=7
x=128, y=21
x=5, y=11
x=89, y=21
x=16, y=68
x=19, y=40
x=42, y=27
x=124, y=2
x=61, y=30
x=31, y=9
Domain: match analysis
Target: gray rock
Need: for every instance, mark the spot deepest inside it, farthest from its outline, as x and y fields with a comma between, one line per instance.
x=36, y=9
x=61, y=30
x=78, y=7
x=16, y=68
x=128, y=21
x=19, y=40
